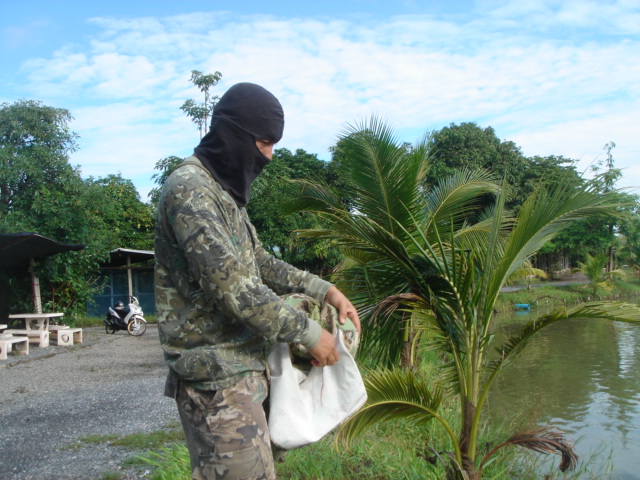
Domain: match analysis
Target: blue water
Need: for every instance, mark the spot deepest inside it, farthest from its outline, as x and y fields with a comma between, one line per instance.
x=582, y=376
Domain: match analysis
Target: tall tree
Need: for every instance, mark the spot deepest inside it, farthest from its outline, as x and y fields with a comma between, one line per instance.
x=628, y=248
x=609, y=176
x=200, y=113
x=35, y=142
x=127, y=219
x=469, y=146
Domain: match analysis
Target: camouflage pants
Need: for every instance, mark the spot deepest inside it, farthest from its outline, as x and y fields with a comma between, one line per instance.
x=226, y=431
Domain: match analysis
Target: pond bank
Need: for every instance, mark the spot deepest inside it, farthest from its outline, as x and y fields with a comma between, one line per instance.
x=569, y=291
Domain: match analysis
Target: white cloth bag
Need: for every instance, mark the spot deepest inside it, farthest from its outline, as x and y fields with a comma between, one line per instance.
x=304, y=408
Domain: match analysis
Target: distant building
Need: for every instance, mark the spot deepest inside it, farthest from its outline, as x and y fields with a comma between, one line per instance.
x=128, y=272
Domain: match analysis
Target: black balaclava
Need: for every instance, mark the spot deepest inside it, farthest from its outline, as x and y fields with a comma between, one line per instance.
x=245, y=113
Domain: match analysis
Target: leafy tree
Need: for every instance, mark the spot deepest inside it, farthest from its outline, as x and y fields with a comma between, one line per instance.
x=35, y=142
x=201, y=112
x=126, y=217
x=628, y=239
x=551, y=168
x=609, y=177
x=471, y=147
x=42, y=193
x=415, y=264
x=275, y=224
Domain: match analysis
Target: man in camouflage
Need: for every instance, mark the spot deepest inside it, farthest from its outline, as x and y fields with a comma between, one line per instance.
x=217, y=292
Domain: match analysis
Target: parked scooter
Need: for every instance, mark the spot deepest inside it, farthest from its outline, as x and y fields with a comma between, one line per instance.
x=129, y=319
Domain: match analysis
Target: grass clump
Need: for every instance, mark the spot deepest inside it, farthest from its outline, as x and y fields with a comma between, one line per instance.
x=171, y=433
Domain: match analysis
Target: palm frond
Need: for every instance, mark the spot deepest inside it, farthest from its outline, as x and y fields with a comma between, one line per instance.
x=526, y=271
x=313, y=195
x=393, y=394
x=542, y=440
x=383, y=175
x=456, y=197
x=547, y=211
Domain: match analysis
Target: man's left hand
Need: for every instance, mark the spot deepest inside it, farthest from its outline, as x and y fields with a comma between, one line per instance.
x=345, y=308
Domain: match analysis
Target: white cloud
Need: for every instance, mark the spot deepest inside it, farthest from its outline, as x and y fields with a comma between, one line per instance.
x=551, y=94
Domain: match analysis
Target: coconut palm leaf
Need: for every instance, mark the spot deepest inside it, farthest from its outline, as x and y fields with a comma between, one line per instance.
x=382, y=175
x=393, y=394
x=542, y=440
x=454, y=199
x=543, y=215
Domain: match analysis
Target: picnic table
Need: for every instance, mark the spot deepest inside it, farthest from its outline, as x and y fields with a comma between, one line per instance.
x=36, y=326
x=36, y=321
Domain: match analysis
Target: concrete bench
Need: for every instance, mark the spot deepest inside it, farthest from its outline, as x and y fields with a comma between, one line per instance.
x=42, y=336
x=7, y=342
x=66, y=336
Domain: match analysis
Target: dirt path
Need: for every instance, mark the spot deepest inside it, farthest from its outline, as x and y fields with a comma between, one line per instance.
x=111, y=384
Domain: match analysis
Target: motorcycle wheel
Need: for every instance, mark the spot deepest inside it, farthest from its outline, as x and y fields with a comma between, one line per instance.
x=136, y=327
x=109, y=329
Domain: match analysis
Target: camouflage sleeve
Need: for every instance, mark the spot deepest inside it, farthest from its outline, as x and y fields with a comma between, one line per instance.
x=206, y=226
x=284, y=278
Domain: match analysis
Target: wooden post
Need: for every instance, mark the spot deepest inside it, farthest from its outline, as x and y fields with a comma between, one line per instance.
x=35, y=283
x=129, y=277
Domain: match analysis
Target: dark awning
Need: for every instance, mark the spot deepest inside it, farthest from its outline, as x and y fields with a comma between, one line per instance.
x=119, y=257
x=17, y=248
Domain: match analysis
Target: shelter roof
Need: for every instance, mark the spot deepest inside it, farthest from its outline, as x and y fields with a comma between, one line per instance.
x=119, y=256
x=17, y=248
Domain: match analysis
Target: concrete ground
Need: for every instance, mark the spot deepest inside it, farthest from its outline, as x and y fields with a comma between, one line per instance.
x=55, y=396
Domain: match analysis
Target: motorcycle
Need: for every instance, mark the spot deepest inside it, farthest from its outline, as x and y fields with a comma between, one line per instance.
x=129, y=319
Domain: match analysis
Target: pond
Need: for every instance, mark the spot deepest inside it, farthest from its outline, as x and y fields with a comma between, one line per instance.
x=582, y=376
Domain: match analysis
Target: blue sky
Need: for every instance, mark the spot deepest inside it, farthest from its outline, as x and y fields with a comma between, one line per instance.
x=557, y=77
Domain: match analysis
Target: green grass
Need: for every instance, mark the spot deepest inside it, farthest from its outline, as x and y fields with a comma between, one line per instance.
x=136, y=444
x=170, y=462
x=396, y=450
x=111, y=476
x=171, y=433
x=390, y=451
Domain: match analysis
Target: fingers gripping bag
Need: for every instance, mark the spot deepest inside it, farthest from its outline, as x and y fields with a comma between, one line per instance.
x=308, y=402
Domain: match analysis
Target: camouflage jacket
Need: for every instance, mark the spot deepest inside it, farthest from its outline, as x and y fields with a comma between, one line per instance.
x=217, y=289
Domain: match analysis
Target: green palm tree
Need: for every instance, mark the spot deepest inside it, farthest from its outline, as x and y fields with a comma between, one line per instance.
x=594, y=268
x=430, y=263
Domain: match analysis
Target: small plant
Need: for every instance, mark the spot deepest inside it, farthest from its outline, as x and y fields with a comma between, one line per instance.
x=171, y=462
x=594, y=267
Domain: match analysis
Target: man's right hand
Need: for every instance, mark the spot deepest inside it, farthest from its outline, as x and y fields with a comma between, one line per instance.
x=325, y=353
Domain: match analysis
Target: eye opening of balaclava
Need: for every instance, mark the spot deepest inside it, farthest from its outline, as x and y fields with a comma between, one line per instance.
x=246, y=112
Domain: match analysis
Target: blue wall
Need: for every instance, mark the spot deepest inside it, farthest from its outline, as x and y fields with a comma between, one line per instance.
x=116, y=288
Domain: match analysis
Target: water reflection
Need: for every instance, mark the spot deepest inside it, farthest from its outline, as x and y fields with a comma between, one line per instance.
x=582, y=376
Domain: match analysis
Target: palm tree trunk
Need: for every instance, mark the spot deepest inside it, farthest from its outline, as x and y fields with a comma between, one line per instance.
x=468, y=457
x=406, y=359
x=407, y=351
